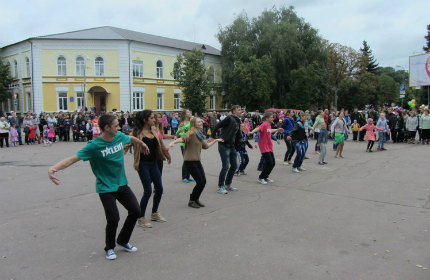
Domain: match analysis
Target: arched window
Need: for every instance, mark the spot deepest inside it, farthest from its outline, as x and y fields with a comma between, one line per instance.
x=10, y=69
x=212, y=73
x=137, y=68
x=100, y=66
x=15, y=68
x=27, y=67
x=80, y=66
x=159, y=69
x=61, y=66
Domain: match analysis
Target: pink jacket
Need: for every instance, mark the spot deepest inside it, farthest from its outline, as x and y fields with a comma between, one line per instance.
x=370, y=131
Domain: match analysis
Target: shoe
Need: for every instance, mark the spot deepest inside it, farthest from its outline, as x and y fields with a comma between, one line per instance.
x=259, y=169
x=231, y=188
x=306, y=157
x=156, y=217
x=370, y=151
x=325, y=162
x=243, y=172
x=191, y=180
x=237, y=173
x=383, y=149
x=295, y=170
x=199, y=203
x=185, y=180
x=110, y=254
x=128, y=247
x=301, y=168
x=341, y=156
x=142, y=222
x=262, y=181
x=379, y=149
x=336, y=156
x=222, y=190
x=286, y=163
x=320, y=163
x=367, y=150
x=193, y=204
x=269, y=180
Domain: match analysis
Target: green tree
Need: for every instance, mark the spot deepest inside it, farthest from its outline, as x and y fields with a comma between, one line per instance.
x=193, y=77
x=372, y=66
x=254, y=83
x=388, y=90
x=426, y=48
x=5, y=81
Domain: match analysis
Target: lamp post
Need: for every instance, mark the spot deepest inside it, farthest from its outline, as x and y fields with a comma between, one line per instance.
x=85, y=84
x=404, y=79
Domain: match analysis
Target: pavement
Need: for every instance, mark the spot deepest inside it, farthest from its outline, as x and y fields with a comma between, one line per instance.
x=366, y=216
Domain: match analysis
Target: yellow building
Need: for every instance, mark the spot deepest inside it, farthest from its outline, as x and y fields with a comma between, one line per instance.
x=104, y=68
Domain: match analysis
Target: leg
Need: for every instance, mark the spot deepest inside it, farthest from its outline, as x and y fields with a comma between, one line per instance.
x=316, y=138
x=158, y=185
x=196, y=170
x=233, y=166
x=185, y=172
x=224, y=152
x=127, y=198
x=298, y=160
x=268, y=167
x=245, y=162
x=293, y=150
x=112, y=217
x=19, y=135
x=287, y=153
x=240, y=159
x=145, y=178
x=341, y=148
x=323, y=148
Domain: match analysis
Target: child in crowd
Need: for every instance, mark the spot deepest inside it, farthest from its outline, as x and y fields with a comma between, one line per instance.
x=96, y=130
x=322, y=143
x=51, y=133
x=242, y=153
x=300, y=141
x=13, y=133
x=32, y=134
x=355, y=130
x=247, y=126
x=45, y=133
x=370, y=134
x=174, y=125
x=89, y=130
x=382, y=123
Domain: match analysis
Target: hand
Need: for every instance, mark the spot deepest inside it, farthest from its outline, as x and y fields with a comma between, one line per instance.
x=169, y=161
x=252, y=148
x=289, y=138
x=250, y=133
x=281, y=130
x=256, y=146
x=174, y=138
x=219, y=140
x=210, y=139
x=170, y=147
x=52, y=177
x=144, y=148
x=278, y=142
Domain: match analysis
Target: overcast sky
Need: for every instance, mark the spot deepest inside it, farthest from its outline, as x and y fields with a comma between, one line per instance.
x=393, y=29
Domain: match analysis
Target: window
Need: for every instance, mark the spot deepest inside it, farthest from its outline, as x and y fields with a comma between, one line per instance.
x=212, y=72
x=15, y=68
x=16, y=101
x=62, y=101
x=160, y=101
x=80, y=66
x=138, y=101
x=212, y=102
x=27, y=67
x=61, y=66
x=159, y=69
x=137, y=68
x=177, y=101
x=100, y=66
x=80, y=100
x=28, y=101
x=10, y=69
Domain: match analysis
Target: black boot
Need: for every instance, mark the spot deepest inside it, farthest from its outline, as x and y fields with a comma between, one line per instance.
x=192, y=203
x=199, y=203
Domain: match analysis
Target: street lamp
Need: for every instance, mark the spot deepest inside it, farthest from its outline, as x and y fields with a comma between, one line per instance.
x=85, y=83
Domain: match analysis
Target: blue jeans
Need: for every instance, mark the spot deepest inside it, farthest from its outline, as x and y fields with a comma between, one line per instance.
x=301, y=148
x=18, y=129
x=381, y=139
x=150, y=172
x=229, y=164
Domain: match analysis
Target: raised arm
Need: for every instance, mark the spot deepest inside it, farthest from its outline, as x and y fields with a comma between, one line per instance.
x=179, y=140
x=60, y=166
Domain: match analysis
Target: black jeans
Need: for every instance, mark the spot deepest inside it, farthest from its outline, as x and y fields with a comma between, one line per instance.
x=149, y=172
x=198, y=173
x=355, y=135
x=185, y=172
x=4, y=136
x=126, y=197
x=395, y=135
x=290, y=150
x=361, y=136
x=269, y=157
x=316, y=134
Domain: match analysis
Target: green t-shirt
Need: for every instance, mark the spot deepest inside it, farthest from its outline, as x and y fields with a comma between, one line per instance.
x=107, y=162
x=185, y=130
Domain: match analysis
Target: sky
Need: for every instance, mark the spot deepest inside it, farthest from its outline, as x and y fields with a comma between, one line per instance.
x=393, y=29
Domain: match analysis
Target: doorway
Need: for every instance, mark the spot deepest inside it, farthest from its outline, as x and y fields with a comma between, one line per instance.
x=100, y=102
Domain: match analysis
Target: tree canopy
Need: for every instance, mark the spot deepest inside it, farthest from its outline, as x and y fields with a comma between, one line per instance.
x=372, y=66
x=426, y=48
x=5, y=81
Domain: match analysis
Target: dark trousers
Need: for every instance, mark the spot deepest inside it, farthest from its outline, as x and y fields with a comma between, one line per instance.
x=395, y=135
x=229, y=165
x=173, y=130
x=243, y=160
x=354, y=135
x=4, y=136
x=269, y=164
x=185, y=172
x=362, y=134
x=149, y=172
x=75, y=136
x=126, y=197
x=19, y=135
x=261, y=163
x=198, y=173
x=290, y=150
x=66, y=135
x=316, y=134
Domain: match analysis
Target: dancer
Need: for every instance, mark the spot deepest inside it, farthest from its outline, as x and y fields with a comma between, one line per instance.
x=194, y=141
x=241, y=150
x=146, y=165
x=288, y=125
x=383, y=124
x=298, y=137
x=370, y=133
x=161, y=135
x=105, y=154
x=184, y=126
x=266, y=147
x=338, y=130
x=230, y=133
x=322, y=143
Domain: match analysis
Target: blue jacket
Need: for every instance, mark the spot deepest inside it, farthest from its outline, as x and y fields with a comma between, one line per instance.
x=323, y=136
x=288, y=125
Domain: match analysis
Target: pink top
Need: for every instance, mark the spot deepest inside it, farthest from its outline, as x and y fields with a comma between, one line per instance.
x=164, y=120
x=265, y=140
x=370, y=129
x=160, y=134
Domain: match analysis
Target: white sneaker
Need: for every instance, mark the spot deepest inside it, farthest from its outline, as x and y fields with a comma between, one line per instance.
x=262, y=181
x=269, y=180
x=231, y=189
x=295, y=170
x=222, y=190
x=286, y=163
x=301, y=169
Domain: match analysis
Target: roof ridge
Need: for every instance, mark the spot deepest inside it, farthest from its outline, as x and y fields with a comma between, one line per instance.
x=113, y=29
x=72, y=32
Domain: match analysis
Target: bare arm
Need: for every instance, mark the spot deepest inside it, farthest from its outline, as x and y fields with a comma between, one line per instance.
x=257, y=129
x=214, y=141
x=140, y=143
x=60, y=166
x=179, y=140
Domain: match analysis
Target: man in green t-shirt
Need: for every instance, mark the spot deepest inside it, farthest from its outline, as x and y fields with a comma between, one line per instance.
x=106, y=156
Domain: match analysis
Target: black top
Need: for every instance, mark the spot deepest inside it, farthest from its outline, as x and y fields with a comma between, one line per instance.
x=152, y=144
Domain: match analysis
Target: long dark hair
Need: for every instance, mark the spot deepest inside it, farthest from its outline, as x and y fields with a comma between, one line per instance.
x=140, y=121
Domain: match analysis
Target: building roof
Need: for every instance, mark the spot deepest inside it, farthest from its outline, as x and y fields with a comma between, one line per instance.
x=114, y=33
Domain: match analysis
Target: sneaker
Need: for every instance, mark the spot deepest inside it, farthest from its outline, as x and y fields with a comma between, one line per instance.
x=320, y=163
x=301, y=168
x=290, y=162
x=306, y=157
x=185, y=180
x=231, y=188
x=156, y=217
x=269, y=180
x=262, y=181
x=110, y=254
x=259, y=169
x=142, y=222
x=286, y=163
x=318, y=152
x=222, y=190
x=243, y=172
x=191, y=180
x=325, y=162
x=128, y=247
x=237, y=173
x=295, y=170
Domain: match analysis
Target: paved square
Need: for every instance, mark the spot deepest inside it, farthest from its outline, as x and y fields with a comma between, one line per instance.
x=363, y=217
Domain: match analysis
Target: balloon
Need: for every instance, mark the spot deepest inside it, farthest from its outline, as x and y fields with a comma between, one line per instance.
x=410, y=103
x=413, y=105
